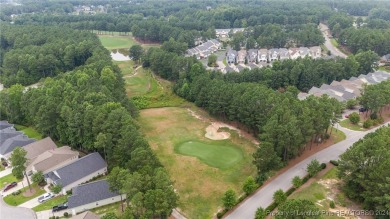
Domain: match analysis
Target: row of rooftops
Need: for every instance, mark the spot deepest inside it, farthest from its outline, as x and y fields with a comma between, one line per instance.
x=204, y=50
x=226, y=32
x=269, y=55
x=345, y=90
x=44, y=154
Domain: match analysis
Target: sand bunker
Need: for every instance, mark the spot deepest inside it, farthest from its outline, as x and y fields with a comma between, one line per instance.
x=119, y=57
x=213, y=133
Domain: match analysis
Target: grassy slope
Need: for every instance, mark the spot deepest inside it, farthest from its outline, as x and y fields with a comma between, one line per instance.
x=199, y=185
x=317, y=193
x=29, y=131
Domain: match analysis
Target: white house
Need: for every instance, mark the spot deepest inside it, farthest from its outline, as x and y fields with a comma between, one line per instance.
x=77, y=172
x=92, y=195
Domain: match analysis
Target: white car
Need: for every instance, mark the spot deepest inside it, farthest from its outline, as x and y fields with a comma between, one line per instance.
x=45, y=197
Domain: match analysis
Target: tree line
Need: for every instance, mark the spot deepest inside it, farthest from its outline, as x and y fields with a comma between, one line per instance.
x=365, y=173
x=52, y=50
x=88, y=109
x=301, y=73
x=278, y=36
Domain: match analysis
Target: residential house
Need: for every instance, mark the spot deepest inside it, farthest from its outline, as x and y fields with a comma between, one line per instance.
x=4, y=125
x=241, y=56
x=86, y=215
x=304, y=51
x=231, y=56
x=39, y=147
x=294, y=53
x=92, y=195
x=284, y=54
x=77, y=172
x=315, y=52
x=252, y=55
x=347, y=89
x=273, y=55
x=204, y=50
x=10, y=144
x=263, y=55
x=52, y=159
x=224, y=33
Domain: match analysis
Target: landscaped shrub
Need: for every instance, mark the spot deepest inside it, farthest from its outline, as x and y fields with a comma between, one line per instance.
x=373, y=116
x=249, y=185
x=313, y=167
x=331, y=204
x=380, y=120
x=290, y=191
x=56, y=189
x=334, y=162
x=66, y=214
x=219, y=215
x=305, y=179
x=368, y=123
x=296, y=181
x=271, y=207
x=354, y=118
x=323, y=165
x=326, y=136
x=279, y=196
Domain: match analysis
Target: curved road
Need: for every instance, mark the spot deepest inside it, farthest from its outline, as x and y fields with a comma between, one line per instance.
x=335, y=51
x=11, y=212
x=263, y=197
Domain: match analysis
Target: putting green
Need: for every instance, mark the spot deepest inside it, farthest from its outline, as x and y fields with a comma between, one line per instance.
x=215, y=155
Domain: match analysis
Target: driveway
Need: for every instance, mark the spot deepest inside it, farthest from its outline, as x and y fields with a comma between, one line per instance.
x=263, y=197
x=335, y=51
x=11, y=212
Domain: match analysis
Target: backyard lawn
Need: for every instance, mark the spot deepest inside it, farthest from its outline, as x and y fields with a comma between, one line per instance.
x=16, y=200
x=50, y=203
x=29, y=131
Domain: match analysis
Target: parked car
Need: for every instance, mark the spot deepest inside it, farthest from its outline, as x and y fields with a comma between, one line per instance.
x=5, y=164
x=45, y=197
x=362, y=109
x=60, y=207
x=10, y=186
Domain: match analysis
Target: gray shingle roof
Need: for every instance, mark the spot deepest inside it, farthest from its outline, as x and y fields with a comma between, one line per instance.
x=89, y=193
x=10, y=144
x=77, y=169
x=6, y=134
x=4, y=124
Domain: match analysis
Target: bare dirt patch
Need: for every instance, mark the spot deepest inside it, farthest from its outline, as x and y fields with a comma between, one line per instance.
x=29, y=193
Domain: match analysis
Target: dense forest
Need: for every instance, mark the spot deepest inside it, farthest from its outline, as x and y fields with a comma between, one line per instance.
x=88, y=109
x=364, y=168
x=52, y=50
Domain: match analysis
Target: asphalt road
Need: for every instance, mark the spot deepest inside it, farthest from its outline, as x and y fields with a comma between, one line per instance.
x=263, y=197
x=11, y=212
x=335, y=51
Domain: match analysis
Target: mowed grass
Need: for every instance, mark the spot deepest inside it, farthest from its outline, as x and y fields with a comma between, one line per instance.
x=347, y=124
x=199, y=183
x=5, y=180
x=127, y=67
x=29, y=131
x=216, y=155
x=16, y=200
x=337, y=135
x=48, y=205
x=116, y=42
